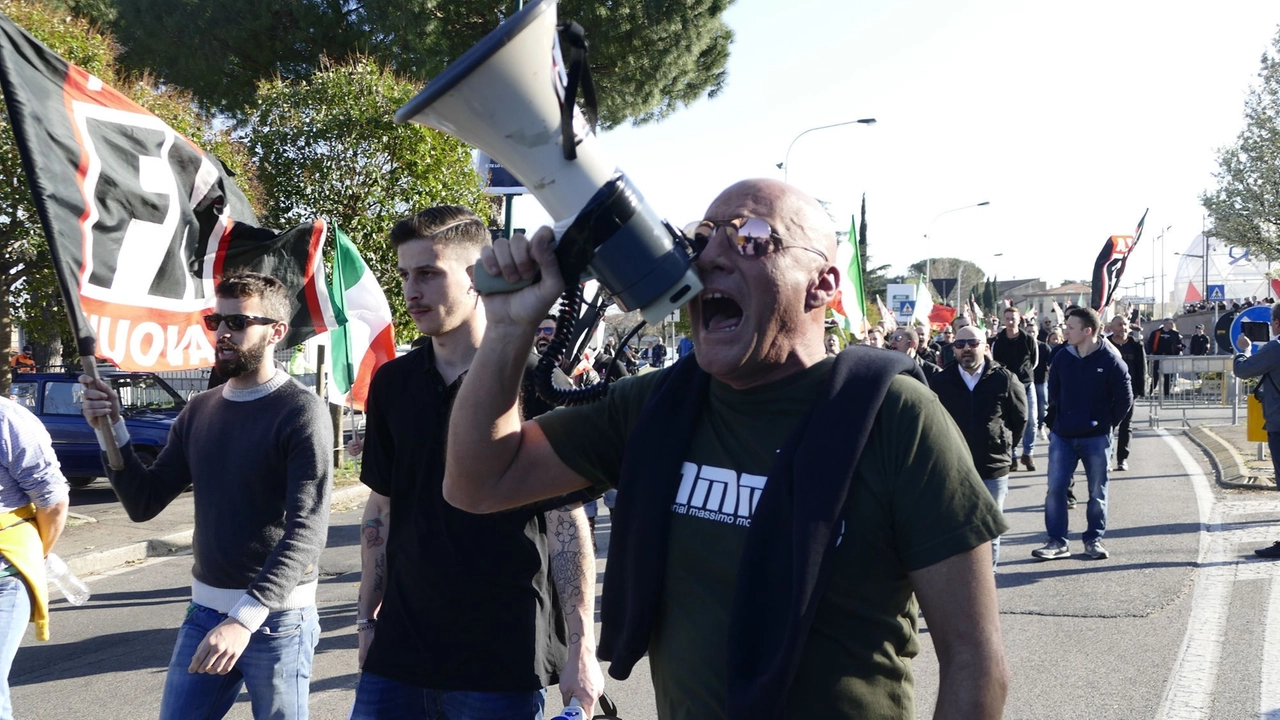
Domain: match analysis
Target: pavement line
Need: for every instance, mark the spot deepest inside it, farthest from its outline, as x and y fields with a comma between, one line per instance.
x=1189, y=691
x=1269, y=690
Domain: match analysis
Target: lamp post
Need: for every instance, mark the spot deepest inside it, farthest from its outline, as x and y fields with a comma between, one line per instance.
x=929, y=257
x=1163, y=298
x=785, y=165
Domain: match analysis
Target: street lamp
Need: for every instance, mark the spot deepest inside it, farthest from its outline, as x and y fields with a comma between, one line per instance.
x=785, y=165
x=928, y=251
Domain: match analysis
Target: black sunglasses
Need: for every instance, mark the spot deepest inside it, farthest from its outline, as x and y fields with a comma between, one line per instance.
x=750, y=236
x=235, y=323
x=973, y=342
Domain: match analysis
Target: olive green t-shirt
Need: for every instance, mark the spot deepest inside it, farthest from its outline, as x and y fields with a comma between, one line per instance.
x=915, y=500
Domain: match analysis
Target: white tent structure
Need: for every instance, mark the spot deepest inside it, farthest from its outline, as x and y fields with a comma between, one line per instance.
x=1233, y=268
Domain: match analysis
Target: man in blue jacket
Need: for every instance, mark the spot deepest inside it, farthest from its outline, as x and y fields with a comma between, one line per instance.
x=1265, y=365
x=1089, y=395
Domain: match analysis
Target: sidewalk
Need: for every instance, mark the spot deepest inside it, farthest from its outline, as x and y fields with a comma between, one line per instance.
x=1234, y=458
x=100, y=536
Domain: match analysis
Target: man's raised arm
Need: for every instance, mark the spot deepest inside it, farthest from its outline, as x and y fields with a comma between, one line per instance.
x=493, y=461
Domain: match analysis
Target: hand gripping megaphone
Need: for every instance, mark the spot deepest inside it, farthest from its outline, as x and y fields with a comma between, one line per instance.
x=514, y=96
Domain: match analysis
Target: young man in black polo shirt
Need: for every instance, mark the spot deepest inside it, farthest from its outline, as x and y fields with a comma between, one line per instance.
x=457, y=616
x=1019, y=352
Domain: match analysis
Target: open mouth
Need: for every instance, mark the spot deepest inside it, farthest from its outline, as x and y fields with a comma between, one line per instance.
x=720, y=313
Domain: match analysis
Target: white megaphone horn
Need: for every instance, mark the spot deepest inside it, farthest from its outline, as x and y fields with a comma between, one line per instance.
x=513, y=96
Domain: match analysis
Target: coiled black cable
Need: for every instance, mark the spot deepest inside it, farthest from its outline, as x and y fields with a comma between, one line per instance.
x=553, y=357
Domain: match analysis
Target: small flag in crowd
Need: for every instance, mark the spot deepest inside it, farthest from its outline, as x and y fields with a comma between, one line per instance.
x=924, y=303
x=366, y=338
x=140, y=221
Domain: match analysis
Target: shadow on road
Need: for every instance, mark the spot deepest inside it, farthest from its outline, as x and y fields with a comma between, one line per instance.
x=114, y=652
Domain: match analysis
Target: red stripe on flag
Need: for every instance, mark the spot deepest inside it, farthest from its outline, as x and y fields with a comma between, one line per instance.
x=309, y=283
x=382, y=349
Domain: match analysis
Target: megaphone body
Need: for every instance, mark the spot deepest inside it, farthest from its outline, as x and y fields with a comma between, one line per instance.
x=507, y=96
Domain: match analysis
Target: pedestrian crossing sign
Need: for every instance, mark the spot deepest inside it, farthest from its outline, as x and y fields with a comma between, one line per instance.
x=1217, y=293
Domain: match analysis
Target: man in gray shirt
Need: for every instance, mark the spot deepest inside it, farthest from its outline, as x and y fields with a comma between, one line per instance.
x=255, y=452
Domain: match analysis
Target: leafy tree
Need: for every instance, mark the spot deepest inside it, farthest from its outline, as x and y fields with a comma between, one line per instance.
x=874, y=279
x=968, y=275
x=1245, y=207
x=327, y=147
x=649, y=57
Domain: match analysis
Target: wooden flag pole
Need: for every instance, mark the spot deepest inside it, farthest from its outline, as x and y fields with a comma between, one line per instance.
x=89, y=361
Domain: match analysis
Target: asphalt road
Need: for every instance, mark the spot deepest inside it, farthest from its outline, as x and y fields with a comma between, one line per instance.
x=1173, y=625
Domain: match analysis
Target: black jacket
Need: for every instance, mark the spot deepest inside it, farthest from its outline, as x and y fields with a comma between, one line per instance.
x=1165, y=342
x=1018, y=354
x=1042, y=364
x=991, y=416
x=1135, y=358
x=1200, y=344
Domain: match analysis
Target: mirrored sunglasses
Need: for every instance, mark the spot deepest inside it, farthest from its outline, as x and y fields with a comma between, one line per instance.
x=235, y=323
x=966, y=343
x=546, y=331
x=750, y=236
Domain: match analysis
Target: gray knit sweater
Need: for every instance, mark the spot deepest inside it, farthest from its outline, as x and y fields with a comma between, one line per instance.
x=259, y=464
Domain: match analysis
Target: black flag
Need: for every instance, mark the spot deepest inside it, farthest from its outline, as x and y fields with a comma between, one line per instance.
x=1109, y=266
x=140, y=221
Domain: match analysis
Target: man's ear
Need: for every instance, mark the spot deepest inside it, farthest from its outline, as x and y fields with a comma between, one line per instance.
x=471, y=275
x=822, y=289
x=278, y=331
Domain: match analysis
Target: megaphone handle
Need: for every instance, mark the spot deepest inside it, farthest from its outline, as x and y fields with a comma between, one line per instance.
x=487, y=283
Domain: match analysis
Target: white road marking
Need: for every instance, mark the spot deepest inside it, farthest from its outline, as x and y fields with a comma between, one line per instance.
x=1189, y=691
x=1269, y=690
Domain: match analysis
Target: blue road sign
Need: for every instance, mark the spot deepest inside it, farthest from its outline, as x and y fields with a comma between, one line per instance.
x=1217, y=293
x=1258, y=314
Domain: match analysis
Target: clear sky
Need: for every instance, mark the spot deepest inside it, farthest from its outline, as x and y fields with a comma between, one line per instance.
x=1070, y=118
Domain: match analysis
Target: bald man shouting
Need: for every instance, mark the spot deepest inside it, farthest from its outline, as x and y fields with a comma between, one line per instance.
x=778, y=510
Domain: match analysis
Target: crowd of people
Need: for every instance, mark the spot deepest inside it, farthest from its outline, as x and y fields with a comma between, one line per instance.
x=1225, y=306
x=784, y=509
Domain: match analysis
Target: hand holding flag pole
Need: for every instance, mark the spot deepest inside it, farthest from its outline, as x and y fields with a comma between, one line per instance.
x=86, y=346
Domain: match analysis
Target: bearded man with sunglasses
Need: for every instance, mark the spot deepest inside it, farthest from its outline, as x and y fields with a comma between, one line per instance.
x=989, y=405
x=705, y=517
x=256, y=452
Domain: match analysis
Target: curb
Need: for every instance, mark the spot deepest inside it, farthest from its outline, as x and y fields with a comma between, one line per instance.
x=1227, y=464
x=97, y=561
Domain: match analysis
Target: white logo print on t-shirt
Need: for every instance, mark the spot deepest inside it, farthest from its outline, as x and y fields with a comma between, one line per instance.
x=718, y=494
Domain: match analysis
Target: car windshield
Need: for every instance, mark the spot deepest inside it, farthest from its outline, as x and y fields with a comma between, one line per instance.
x=143, y=392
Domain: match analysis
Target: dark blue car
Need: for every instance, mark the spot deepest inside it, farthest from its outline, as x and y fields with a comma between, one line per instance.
x=149, y=406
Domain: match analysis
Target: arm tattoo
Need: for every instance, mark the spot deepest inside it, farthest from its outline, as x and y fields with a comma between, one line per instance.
x=566, y=566
x=379, y=572
x=373, y=532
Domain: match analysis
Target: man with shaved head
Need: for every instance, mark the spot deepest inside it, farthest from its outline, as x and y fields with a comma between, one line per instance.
x=777, y=509
x=989, y=404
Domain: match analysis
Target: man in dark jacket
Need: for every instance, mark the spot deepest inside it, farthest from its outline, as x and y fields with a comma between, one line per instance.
x=1135, y=359
x=907, y=341
x=990, y=406
x=1089, y=395
x=1018, y=351
x=1165, y=341
x=1041, y=377
x=1201, y=344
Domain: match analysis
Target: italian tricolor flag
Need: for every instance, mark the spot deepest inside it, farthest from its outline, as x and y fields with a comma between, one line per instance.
x=366, y=339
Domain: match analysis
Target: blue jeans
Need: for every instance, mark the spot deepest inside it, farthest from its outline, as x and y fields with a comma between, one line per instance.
x=1064, y=454
x=999, y=489
x=1028, y=433
x=15, y=613
x=1042, y=399
x=380, y=698
x=275, y=668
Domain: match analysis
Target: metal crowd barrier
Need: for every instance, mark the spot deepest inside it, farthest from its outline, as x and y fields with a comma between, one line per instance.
x=1201, y=388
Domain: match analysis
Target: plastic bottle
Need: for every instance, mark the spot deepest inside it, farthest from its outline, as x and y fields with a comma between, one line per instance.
x=60, y=576
x=572, y=712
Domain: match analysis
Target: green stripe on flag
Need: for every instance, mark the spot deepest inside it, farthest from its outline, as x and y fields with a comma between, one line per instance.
x=348, y=268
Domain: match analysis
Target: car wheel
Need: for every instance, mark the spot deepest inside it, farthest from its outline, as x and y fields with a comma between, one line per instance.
x=80, y=482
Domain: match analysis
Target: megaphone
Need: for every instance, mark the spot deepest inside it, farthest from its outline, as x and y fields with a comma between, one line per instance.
x=514, y=96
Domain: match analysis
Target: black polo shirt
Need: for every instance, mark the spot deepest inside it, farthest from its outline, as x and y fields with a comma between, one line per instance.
x=469, y=604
